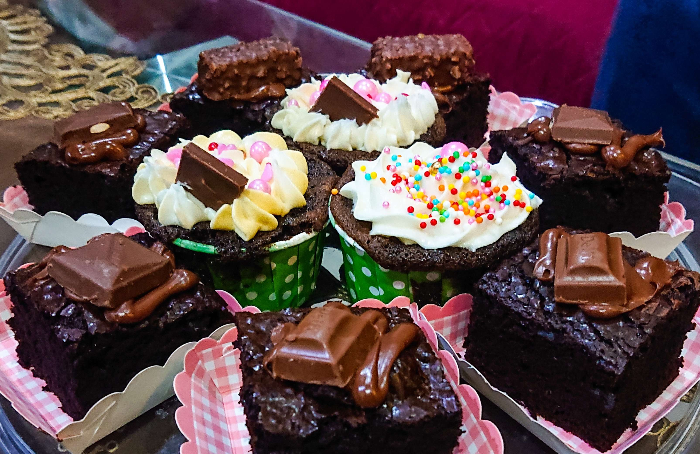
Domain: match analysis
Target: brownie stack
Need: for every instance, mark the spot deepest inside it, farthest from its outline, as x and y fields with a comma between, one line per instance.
x=239, y=87
x=588, y=369
x=103, y=186
x=446, y=64
x=420, y=413
x=83, y=352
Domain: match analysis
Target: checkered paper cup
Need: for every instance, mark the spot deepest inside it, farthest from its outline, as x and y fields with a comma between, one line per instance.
x=286, y=277
x=452, y=322
x=365, y=278
x=212, y=417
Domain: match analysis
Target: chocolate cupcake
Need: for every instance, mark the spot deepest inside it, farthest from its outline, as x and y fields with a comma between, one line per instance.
x=247, y=213
x=347, y=117
x=427, y=222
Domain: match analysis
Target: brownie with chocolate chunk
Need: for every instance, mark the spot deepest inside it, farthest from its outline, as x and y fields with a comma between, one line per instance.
x=299, y=412
x=589, y=185
x=590, y=363
x=86, y=346
x=238, y=87
x=446, y=64
x=92, y=172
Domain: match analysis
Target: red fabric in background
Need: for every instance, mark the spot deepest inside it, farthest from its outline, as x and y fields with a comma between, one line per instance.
x=549, y=49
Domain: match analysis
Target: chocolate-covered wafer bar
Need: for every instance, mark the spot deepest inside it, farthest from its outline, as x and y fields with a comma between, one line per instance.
x=443, y=61
x=249, y=71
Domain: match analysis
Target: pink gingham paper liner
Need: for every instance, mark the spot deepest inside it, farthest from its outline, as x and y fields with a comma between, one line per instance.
x=42, y=409
x=507, y=111
x=213, y=421
x=452, y=322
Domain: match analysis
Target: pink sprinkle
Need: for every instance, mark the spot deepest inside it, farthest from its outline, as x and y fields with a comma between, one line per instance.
x=397, y=189
x=491, y=198
x=392, y=168
x=470, y=220
x=385, y=204
x=227, y=161
x=483, y=185
x=487, y=166
x=491, y=210
x=323, y=84
x=425, y=86
x=438, y=177
x=474, y=182
x=226, y=146
x=387, y=150
x=292, y=103
x=475, y=166
x=502, y=206
x=174, y=155
x=267, y=173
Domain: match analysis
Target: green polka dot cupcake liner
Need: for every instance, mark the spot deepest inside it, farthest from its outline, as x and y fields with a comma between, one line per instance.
x=285, y=278
x=365, y=278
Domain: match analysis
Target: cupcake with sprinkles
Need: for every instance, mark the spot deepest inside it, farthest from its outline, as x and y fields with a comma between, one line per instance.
x=245, y=212
x=427, y=222
x=348, y=117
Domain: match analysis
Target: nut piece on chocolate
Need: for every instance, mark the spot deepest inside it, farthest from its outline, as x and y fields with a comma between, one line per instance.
x=250, y=71
x=208, y=179
x=109, y=270
x=99, y=122
x=582, y=125
x=339, y=102
x=443, y=61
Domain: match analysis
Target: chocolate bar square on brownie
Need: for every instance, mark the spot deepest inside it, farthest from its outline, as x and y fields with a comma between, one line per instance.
x=582, y=331
x=238, y=87
x=299, y=401
x=446, y=64
x=592, y=174
x=89, y=166
x=87, y=320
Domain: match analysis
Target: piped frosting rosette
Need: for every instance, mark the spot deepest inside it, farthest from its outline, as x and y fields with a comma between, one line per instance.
x=443, y=207
x=405, y=111
x=282, y=273
x=277, y=181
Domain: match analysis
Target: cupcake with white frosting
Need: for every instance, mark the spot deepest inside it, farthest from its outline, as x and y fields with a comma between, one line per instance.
x=426, y=222
x=404, y=112
x=251, y=240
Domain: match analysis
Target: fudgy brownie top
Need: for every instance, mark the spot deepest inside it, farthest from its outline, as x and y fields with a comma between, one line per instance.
x=552, y=163
x=391, y=253
x=230, y=246
x=161, y=127
x=418, y=387
x=443, y=61
x=72, y=320
x=612, y=341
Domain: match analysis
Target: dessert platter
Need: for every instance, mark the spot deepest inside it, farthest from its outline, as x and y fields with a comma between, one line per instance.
x=338, y=262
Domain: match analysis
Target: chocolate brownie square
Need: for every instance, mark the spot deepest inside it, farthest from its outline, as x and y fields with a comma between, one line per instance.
x=104, y=188
x=446, y=64
x=81, y=355
x=228, y=92
x=420, y=414
x=590, y=376
x=581, y=190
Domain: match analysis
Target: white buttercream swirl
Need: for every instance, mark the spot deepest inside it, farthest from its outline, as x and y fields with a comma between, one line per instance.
x=409, y=113
x=410, y=212
x=254, y=210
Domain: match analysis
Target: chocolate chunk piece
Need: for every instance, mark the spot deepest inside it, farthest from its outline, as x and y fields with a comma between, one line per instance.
x=325, y=348
x=208, y=179
x=109, y=270
x=339, y=102
x=443, y=61
x=582, y=125
x=589, y=270
x=99, y=122
x=250, y=71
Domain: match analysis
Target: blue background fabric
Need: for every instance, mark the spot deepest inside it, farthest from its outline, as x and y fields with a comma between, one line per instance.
x=650, y=74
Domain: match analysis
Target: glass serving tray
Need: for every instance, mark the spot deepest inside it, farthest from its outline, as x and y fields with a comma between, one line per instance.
x=324, y=50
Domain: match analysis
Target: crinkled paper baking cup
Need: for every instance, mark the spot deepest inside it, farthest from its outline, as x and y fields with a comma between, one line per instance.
x=284, y=278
